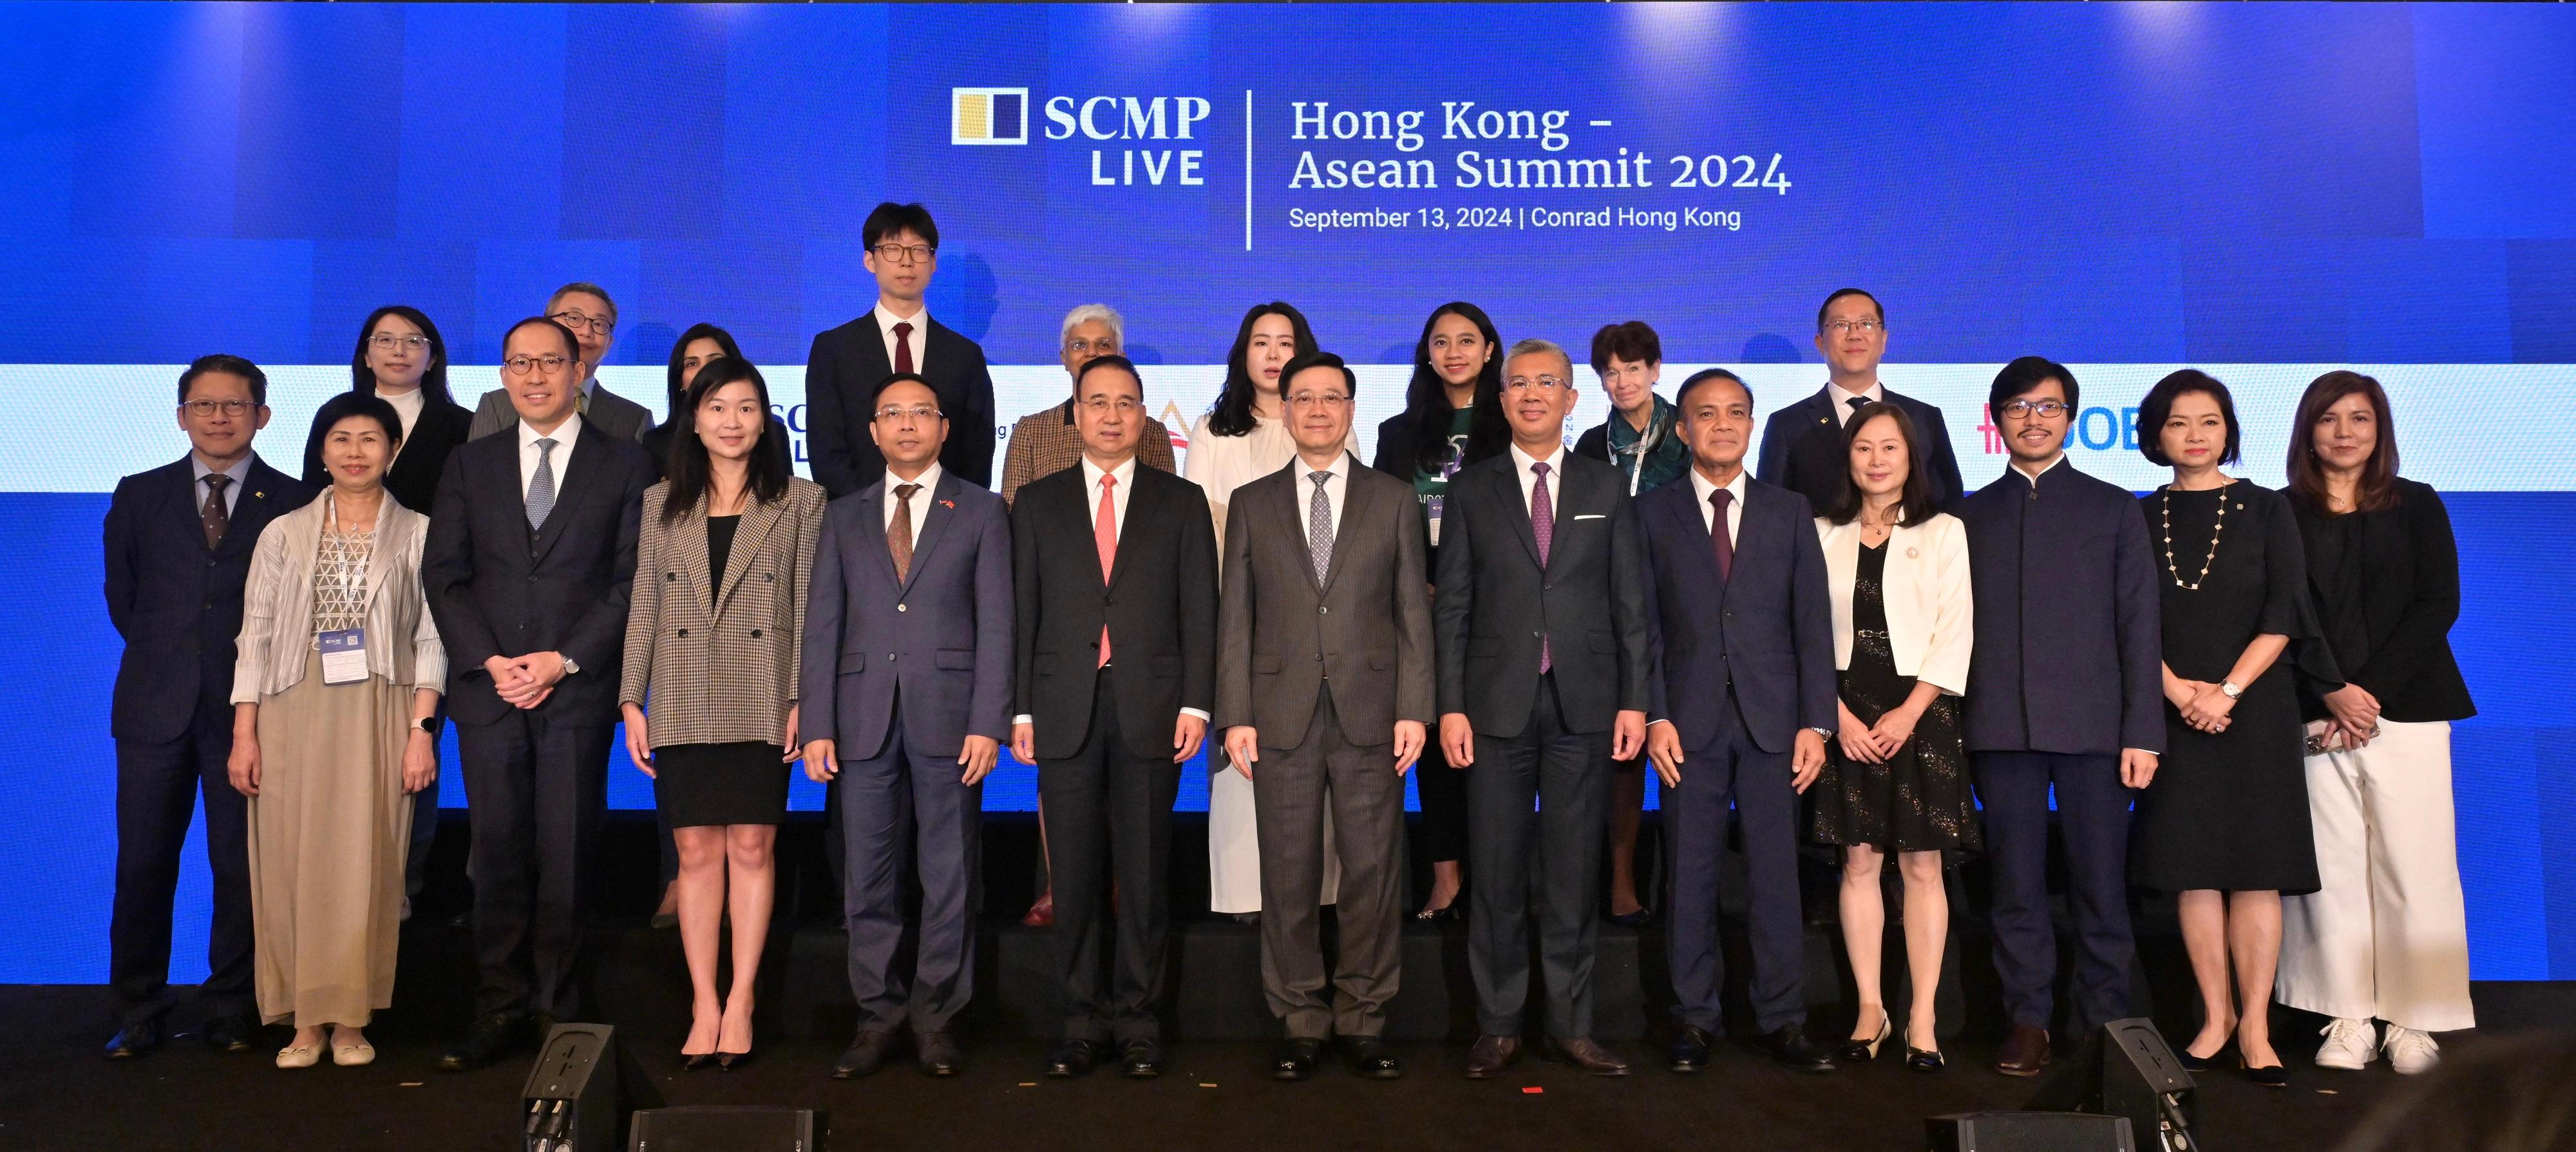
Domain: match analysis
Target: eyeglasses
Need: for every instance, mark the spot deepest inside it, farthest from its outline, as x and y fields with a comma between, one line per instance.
x=2044, y=409
x=203, y=409
x=1104, y=346
x=1864, y=327
x=522, y=365
x=1319, y=399
x=904, y=253
x=896, y=414
x=598, y=325
x=1535, y=383
x=1102, y=406
x=387, y=342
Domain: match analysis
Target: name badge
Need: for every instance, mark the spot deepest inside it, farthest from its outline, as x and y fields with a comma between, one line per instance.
x=344, y=656
x=1431, y=511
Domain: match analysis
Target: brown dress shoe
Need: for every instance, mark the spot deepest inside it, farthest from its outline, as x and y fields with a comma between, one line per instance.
x=1587, y=1054
x=2024, y=1053
x=1491, y=1055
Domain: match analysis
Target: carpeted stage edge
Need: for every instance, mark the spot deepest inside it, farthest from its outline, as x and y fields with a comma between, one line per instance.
x=55, y=1092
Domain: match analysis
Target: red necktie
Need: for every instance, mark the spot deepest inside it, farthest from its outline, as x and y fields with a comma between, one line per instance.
x=903, y=347
x=1104, y=535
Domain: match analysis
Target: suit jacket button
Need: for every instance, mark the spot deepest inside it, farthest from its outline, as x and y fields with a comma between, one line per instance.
x=1538, y=635
x=755, y=633
x=903, y=607
x=1323, y=610
x=889, y=655
x=684, y=631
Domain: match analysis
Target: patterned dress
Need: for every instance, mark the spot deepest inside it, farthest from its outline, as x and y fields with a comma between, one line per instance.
x=1917, y=800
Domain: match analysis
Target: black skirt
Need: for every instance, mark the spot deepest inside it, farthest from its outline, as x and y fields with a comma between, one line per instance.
x=697, y=785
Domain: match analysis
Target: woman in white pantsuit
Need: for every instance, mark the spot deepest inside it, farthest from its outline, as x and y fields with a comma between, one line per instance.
x=2386, y=938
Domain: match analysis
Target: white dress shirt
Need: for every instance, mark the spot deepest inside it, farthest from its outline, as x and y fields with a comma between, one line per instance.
x=918, y=338
x=920, y=501
x=564, y=435
x=1842, y=399
x=1701, y=488
x=1555, y=462
x=1118, y=493
x=1334, y=490
x=406, y=408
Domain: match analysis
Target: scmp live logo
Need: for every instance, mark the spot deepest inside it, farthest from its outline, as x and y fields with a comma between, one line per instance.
x=982, y=116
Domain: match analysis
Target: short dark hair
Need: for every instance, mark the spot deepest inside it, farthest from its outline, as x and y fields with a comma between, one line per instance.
x=586, y=288
x=889, y=218
x=1839, y=293
x=1628, y=340
x=366, y=405
x=2159, y=403
x=1297, y=364
x=1703, y=376
x=1916, y=495
x=891, y=381
x=229, y=365
x=1112, y=360
x=2024, y=374
x=572, y=343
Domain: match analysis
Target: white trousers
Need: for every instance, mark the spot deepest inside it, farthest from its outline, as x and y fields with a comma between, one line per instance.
x=2387, y=937
x=1234, y=842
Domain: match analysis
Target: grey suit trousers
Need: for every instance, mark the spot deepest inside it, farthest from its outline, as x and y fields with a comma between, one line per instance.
x=1291, y=788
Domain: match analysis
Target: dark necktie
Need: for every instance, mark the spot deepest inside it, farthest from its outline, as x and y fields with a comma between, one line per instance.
x=903, y=347
x=899, y=531
x=1857, y=403
x=1542, y=526
x=216, y=519
x=1719, y=536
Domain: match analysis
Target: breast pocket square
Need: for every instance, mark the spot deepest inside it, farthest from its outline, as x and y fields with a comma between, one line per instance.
x=1594, y=516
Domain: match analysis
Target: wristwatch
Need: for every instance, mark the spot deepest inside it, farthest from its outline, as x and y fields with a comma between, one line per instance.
x=430, y=724
x=1827, y=733
x=2230, y=690
x=571, y=666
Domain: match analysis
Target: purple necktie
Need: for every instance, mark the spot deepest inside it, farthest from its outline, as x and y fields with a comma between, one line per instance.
x=1718, y=534
x=1543, y=526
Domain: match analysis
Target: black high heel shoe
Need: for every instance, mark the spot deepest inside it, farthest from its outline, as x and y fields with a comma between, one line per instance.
x=1918, y=1060
x=1857, y=1051
x=698, y=1062
x=729, y=1061
x=2274, y=1076
x=2191, y=1063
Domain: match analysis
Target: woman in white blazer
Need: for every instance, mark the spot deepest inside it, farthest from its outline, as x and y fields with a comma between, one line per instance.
x=1896, y=779
x=337, y=677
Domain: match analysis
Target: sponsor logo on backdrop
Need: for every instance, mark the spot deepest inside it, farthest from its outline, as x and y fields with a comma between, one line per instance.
x=1156, y=138
x=988, y=115
x=2096, y=428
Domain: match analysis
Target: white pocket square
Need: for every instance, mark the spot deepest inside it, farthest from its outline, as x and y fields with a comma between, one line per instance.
x=1593, y=516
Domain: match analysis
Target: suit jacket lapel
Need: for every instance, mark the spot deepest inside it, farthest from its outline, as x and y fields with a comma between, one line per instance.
x=1291, y=509
x=690, y=537
x=254, y=506
x=873, y=498
x=1355, y=503
x=758, y=517
x=934, y=525
x=579, y=473
x=392, y=531
x=1141, y=503
x=1507, y=485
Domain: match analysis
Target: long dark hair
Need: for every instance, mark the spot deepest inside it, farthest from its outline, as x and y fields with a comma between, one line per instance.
x=679, y=352
x=1426, y=399
x=433, y=379
x=1914, y=500
x=1232, y=413
x=688, y=466
x=2378, y=488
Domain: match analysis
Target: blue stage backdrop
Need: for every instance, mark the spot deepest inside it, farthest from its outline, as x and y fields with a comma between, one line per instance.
x=2262, y=191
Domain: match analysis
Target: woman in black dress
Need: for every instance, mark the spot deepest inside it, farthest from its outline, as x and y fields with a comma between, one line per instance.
x=1895, y=779
x=2225, y=823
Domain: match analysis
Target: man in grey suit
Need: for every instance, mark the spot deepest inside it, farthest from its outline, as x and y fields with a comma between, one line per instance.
x=1324, y=663
x=586, y=310
x=907, y=698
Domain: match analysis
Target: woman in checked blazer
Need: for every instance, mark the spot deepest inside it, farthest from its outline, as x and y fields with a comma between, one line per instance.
x=709, y=689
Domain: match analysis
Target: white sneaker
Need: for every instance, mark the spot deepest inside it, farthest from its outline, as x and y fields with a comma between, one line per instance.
x=299, y=1056
x=2350, y=1044
x=2412, y=1052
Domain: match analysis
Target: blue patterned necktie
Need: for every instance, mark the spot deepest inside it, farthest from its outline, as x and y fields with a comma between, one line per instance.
x=541, y=487
x=1319, y=526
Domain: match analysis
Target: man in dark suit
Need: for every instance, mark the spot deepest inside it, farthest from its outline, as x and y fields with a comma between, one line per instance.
x=1802, y=443
x=179, y=541
x=1115, y=565
x=898, y=335
x=2065, y=688
x=528, y=566
x=586, y=311
x=907, y=695
x=1541, y=614
x=1742, y=698
x=1324, y=692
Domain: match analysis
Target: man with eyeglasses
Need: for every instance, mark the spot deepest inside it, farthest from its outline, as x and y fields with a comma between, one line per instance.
x=2065, y=694
x=1115, y=566
x=584, y=310
x=907, y=699
x=528, y=568
x=179, y=542
x=898, y=335
x=1048, y=441
x=1802, y=443
x=1324, y=694
x=1541, y=616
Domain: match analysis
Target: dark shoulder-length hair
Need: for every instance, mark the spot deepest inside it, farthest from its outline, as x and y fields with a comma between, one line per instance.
x=680, y=351
x=1232, y=413
x=1426, y=398
x=2153, y=411
x=2378, y=474
x=688, y=466
x=1914, y=498
x=433, y=379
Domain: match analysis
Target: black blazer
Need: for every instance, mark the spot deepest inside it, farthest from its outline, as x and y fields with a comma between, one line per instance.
x=841, y=375
x=1159, y=604
x=1802, y=449
x=1495, y=602
x=1767, y=629
x=177, y=603
x=413, y=480
x=497, y=589
x=2393, y=579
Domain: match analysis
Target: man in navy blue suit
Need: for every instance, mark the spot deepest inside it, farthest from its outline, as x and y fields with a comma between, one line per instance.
x=179, y=541
x=1802, y=445
x=1740, y=703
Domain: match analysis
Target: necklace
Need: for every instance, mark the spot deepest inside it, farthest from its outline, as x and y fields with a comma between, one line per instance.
x=2215, y=533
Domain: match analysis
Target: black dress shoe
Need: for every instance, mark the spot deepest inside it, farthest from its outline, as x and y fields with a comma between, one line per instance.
x=1294, y=1059
x=1789, y=1046
x=728, y=1061
x=1689, y=1049
x=2025, y=1051
x=864, y=1056
x=1073, y=1058
x=1140, y=1058
x=1490, y=1055
x=140, y=1038
x=1587, y=1054
x=492, y=1037
x=1637, y=919
x=2274, y=1076
x=228, y=1033
x=1919, y=1060
x=1368, y=1057
x=937, y=1054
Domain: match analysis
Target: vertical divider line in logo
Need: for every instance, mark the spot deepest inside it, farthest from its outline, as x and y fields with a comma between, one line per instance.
x=1247, y=169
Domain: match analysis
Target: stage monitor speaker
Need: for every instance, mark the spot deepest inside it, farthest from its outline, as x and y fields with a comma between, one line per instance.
x=2125, y=1069
x=570, y=1102
x=723, y=1130
x=2029, y=1132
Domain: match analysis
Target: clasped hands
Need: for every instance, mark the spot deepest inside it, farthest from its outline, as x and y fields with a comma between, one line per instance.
x=2356, y=718
x=525, y=681
x=2202, y=704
